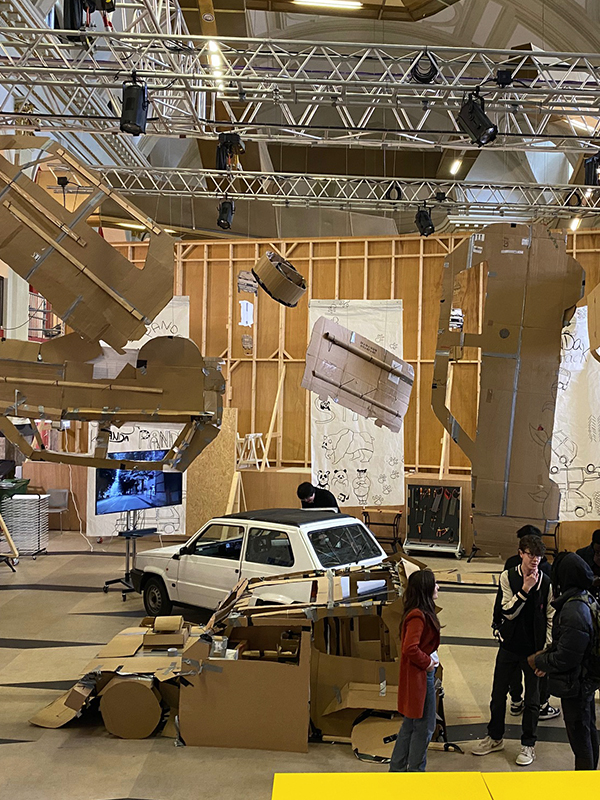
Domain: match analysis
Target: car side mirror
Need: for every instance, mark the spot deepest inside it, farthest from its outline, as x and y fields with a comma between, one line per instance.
x=182, y=552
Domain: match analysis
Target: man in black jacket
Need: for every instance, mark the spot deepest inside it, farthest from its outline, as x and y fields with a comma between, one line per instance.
x=565, y=661
x=516, y=687
x=525, y=624
x=591, y=556
x=313, y=497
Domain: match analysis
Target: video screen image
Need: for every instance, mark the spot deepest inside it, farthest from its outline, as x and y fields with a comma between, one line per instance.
x=120, y=490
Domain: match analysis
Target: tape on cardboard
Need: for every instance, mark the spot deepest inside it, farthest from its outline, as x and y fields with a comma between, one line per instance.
x=279, y=279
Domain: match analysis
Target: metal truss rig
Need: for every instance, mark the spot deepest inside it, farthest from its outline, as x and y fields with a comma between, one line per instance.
x=308, y=91
x=530, y=201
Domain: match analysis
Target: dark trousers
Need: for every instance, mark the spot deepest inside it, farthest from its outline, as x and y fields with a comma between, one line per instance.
x=516, y=689
x=579, y=714
x=507, y=664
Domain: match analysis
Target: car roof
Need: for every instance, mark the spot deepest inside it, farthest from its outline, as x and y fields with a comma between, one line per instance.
x=290, y=516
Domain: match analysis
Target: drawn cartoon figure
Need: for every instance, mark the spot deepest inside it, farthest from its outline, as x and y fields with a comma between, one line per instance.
x=361, y=486
x=339, y=479
x=323, y=479
x=324, y=412
x=357, y=446
x=564, y=448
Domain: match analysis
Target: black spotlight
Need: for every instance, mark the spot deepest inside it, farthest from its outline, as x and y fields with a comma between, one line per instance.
x=504, y=78
x=591, y=168
x=226, y=212
x=424, y=70
x=134, y=110
x=423, y=222
x=229, y=149
x=473, y=121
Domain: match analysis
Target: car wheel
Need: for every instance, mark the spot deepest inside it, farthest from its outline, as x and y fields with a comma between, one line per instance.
x=156, y=599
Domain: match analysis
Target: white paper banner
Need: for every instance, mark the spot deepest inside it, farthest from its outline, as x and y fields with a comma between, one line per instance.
x=575, y=458
x=361, y=464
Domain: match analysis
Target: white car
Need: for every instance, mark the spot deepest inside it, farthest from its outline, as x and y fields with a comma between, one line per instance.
x=251, y=545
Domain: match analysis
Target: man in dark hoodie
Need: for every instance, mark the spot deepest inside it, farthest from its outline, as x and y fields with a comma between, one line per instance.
x=591, y=556
x=566, y=660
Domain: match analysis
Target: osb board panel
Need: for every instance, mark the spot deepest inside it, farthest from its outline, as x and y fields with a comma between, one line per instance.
x=210, y=475
x=273, y=488
x=60, y=476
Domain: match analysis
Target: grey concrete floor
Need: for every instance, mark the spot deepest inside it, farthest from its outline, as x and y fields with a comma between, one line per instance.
x=54, y=617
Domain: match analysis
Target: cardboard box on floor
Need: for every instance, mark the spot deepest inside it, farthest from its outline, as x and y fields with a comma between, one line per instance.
x=529, y=284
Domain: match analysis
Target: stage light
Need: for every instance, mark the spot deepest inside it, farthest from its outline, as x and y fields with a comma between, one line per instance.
x=455, y=166
x=423, y=222
x=575, y=223
x=229, y=149
x=504, y=78
x=473, y=121
x=134, y=110
x=226, y=212
x=424, y=70
x=591, y=168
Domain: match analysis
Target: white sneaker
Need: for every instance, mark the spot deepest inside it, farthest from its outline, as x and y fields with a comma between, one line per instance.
x=488, y=745
x=526, y=756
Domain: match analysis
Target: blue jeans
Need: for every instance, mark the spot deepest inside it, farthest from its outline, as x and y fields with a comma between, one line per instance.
x=410, y=750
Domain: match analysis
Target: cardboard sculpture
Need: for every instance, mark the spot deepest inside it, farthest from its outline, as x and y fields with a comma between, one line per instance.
x=103, y=297
x=358, y=374
x=593, y=304
x=529, y=286
x=279, y=279
x=255, y=676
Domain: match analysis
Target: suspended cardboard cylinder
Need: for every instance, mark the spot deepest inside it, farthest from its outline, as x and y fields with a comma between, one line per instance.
x=279, y=279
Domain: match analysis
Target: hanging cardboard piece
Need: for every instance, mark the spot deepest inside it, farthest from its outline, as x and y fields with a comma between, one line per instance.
x=358, y=374
x=279, y=279
x=369, y=737
x=593, y=318
x=530, y=286
x=90, y=285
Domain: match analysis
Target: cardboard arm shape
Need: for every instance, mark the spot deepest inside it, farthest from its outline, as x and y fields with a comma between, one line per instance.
x=102, y=296
x=529, y=286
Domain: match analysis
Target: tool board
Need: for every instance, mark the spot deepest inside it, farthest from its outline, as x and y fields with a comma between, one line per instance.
x=433, y=519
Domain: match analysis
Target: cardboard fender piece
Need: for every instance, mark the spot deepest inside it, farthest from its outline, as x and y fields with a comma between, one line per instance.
x=130, y=707
x=358, y=374
x=56, y=714
x=279, y=279
x=369, y=738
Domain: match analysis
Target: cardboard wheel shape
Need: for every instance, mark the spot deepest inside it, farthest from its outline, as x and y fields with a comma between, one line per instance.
x=130, y=707
x=279, y=279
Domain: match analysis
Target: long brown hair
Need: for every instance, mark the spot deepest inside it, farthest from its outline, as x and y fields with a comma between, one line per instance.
x=419, y=594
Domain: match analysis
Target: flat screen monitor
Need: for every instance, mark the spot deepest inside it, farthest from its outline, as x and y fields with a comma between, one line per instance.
x=119, y=490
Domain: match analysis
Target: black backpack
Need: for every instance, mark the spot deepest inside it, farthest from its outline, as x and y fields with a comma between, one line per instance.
x=591, y=661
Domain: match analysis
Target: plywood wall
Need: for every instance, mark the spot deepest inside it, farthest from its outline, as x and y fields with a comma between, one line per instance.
x=406, y=267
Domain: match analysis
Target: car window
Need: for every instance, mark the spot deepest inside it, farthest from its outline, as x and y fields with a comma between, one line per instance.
x=344, y=544
x=269, y=547
x=220, y=541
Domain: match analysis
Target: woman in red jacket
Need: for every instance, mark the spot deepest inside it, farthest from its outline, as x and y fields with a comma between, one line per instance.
x=420, y=632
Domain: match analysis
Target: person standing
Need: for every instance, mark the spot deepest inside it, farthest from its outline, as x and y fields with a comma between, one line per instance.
x=516, y=687
x=313, y=497
x=568, y=660
x=524, y=597
x=420, y=634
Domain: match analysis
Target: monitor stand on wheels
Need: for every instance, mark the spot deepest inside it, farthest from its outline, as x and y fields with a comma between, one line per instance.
x=131, y=535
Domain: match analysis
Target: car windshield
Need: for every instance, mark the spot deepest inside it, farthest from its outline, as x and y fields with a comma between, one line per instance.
x=344, y=544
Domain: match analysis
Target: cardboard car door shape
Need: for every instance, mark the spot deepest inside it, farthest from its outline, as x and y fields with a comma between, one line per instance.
x=104, y=297
x=528, y=287
x=208, y=572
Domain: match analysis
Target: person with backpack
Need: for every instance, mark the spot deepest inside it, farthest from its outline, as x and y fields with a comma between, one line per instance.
x=572, y=660
x=523, y=623
x=517, y=704
x=420, y=633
